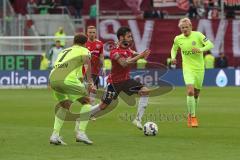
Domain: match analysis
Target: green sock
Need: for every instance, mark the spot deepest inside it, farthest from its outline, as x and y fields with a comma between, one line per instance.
x=84, y=118
x=196, y=103
x=191, y=105
x=59, y=120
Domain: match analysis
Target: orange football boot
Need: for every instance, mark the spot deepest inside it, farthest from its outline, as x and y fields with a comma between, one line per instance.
x=194, y=122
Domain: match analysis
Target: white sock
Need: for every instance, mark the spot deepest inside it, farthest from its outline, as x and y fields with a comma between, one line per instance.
x=142, y=104
x=92, y=98
x=95, y=109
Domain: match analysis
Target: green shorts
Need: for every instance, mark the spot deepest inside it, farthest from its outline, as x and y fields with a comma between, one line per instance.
x=68, y=90
x=193, y=77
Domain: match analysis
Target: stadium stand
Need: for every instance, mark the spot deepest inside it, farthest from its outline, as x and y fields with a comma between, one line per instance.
x=62, y=13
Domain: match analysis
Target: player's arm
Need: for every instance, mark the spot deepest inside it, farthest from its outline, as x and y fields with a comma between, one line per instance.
x=87, y=66
x=208, y=45
x=102, y=60
x=134, y=55
x=144, y=55
x=126, y=62
x=134, y=52
x=174, y=51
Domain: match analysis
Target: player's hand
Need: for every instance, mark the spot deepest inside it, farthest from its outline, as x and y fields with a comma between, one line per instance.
x=92, y=88
x=174, y=61
x=196, y=50
x=146, y=53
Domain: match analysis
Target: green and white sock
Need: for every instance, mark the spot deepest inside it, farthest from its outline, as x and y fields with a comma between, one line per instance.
x=191, y=104
x=84, y=117
x=59, y=120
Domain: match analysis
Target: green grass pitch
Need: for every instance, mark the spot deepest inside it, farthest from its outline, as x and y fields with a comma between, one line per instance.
x=26, y=120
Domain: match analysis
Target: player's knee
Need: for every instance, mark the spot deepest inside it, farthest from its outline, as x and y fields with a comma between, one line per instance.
x=196, y=93
x=190, y=92
x=84, y=100
x=103, y=106
x=65, y=104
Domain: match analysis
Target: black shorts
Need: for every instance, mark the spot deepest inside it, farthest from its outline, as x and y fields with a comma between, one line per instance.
x=95, y=79
x=129, y=87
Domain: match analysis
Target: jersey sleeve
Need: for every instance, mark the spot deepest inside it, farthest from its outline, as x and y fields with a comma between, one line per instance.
x=174, y=49
x=206, y=42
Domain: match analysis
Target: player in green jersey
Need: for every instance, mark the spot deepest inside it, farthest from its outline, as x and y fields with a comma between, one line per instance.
x=192, y=45
x=66, y=80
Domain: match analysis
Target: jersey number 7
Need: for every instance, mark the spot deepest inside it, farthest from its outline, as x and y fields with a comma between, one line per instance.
x=65, y=52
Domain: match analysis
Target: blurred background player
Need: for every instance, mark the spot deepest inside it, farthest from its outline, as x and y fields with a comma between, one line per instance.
x=209, y=60
x=53, y=53
x=66, y=80
x=59, y=35
x=119, y=79
x=192, y=45
x=97, y=58
x=221, y=61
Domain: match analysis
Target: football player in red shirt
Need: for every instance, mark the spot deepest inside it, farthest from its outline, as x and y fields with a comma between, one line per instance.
x=96, y=50
x=119, y=79
x=97, y=58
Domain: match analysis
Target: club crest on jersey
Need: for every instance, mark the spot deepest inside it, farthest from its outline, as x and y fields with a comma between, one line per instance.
x=98, y=46
x=193, y=43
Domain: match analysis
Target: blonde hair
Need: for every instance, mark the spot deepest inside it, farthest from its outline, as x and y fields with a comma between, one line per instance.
x=184, y=20
x=91, y=27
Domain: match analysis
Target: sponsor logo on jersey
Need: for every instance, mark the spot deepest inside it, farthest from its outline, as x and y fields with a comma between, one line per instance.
x=98, y=46
x=193, y=43
x=95, y=51
x=187, y=52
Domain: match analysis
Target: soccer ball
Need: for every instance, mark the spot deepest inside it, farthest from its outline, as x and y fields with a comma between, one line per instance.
x=150, y=129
